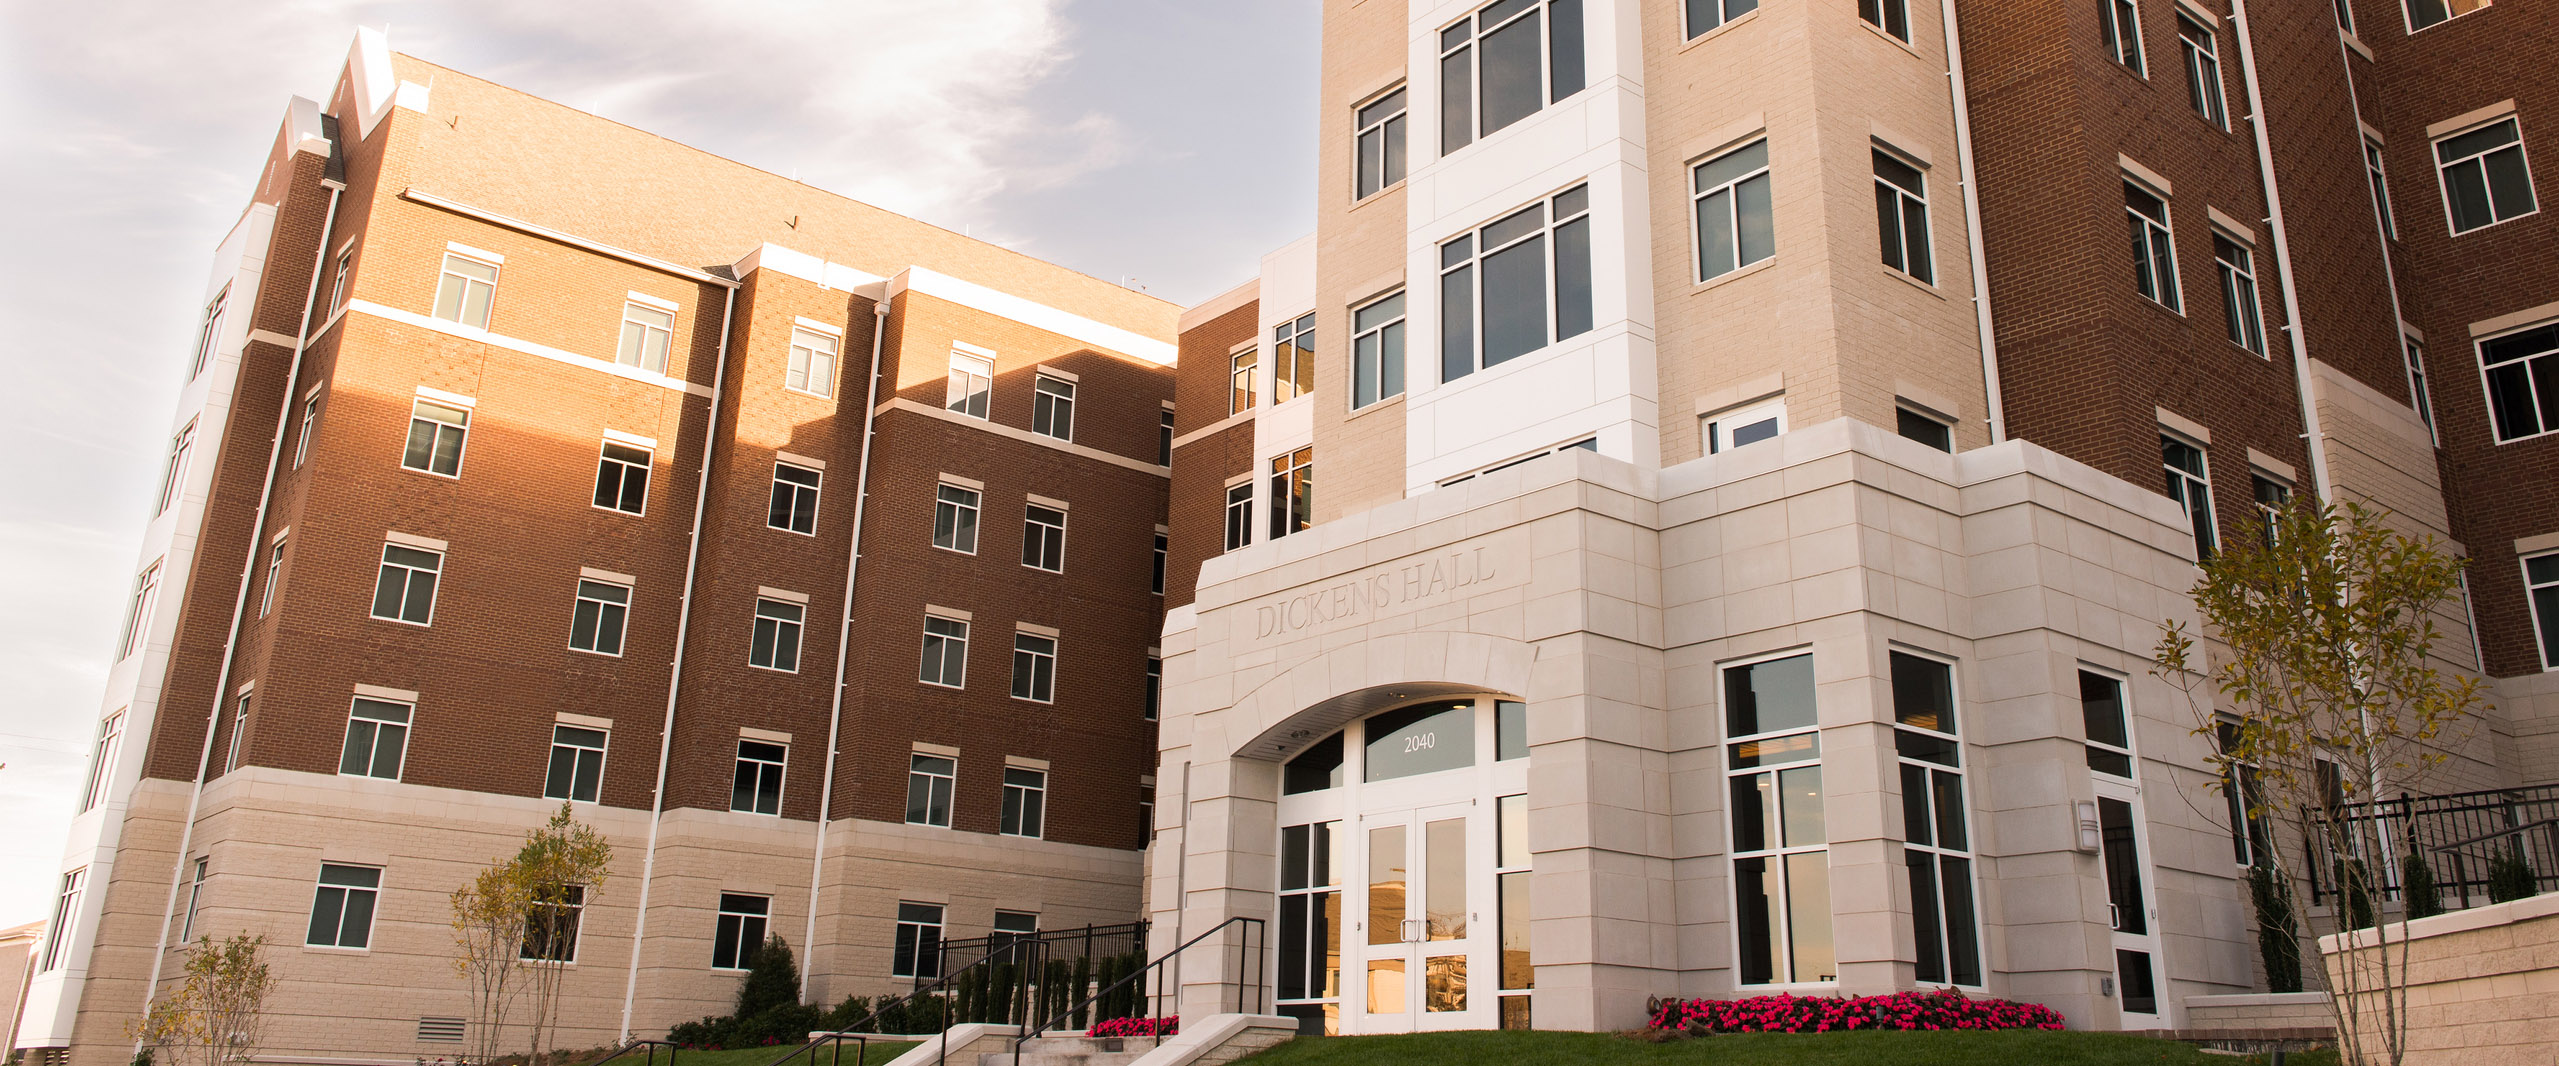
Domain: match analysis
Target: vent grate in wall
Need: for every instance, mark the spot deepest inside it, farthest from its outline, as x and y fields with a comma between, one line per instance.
x=439, y=1030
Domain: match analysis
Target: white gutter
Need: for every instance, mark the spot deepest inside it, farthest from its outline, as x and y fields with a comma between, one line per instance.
x=1997, y=417
x=2311, y=434
x=675, y=670
x=844, y=639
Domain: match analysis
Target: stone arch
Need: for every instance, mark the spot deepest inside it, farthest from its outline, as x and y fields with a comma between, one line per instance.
x=1311, y=700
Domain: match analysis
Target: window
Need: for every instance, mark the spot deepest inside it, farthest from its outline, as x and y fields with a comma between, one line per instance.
x=972, y=382
x=1025, y=794
x=1748, y=425
x=919, y=942
x=2120, y=25
x=1890, y=16
x=551, y=923
x=2203, y=70
x=2523, y=381
x=2380, y=178
x=2346, y=15
x=66, y=910
x=275, y=572
x=1292, y=492
x=2417, y=394
x=794, y=499
x=1293, y=359
x=2541, y=580
x=929, y=779
x=102, y=761
x=1154, y=687
x=813, y=357
x=436, y=434
x=1511, y=863
x=1239, y=515
x=1377, y=351
x=954, y=518
x=1515, y=285
x=647, y=333
x=2249, y=831
x=1053, y=407
x=1240, y=371
x=577, y=764
x=2484, y=176
x=1901, y=216
x=2154, y=253
x=405, y=591
x=946, y=652
x=342, y=906
x=1164, y=440
x=2101, y=709
x=758, y=787
x=1044, y=538
x=465, y=289
x=1493, y=72
x=173, y=477
x=137, y=615
x=2238, y=294
x=622, y=479
x=377, y=739
x=2425, y=13
x=777, y=636
x=740, y=930
x=310, y=418
x=597, y=623
x=1924, y=428
x=1780, y=856
x=1310, y=923
x=1735, y=222
x=2273, y=499
x=338, y=287
x=239, y=731
x=1378, y=141
x=209, y=333
x=2191, y=487
x=1705, y=15
x=1160, y=547
x=1034, y=668
x=195, y=896
x=1936, y=844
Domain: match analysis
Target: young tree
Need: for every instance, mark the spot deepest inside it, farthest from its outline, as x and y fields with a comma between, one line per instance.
x=2326, y=632
x=560, y=868
x=772, y=979
x=217, y=1014
x=488, y=931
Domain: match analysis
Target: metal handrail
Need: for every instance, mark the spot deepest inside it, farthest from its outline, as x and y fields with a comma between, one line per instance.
x=2460, y=867
x=1258, y=933
x=834, y=1042
x=1013, y=951
x=652, y=1057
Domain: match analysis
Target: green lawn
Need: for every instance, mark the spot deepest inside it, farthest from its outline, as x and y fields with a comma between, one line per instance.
x=2013, y=1048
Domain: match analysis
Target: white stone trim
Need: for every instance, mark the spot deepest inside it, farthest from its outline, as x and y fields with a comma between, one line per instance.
x=768, y=592
x=2146, y=176
x=584, y=721
x=2183, y=426
x=1054, y=505
x=441, y=396
x=1037, y=315
x=944, y=750
x=625, y=580
x=2526, y=317
x=377, y=692
x=1219, y=305
x=807, y=323
x=1893, y=141
x=468, y=252
x=956, y=481
x=1023, y=435
x=2536, y=544
x=2272, y=465
x=2245, y=233
x=271, y=337
x=1025, y=762
x=633, y=439
x=525, y=347
x=951, y=613
x=2465, y=120
x=795, y=459
x=769, y=736
x=1068, y=376
x=412, y=540
x=646, y=300
x=978, y=350
x=1036, y=629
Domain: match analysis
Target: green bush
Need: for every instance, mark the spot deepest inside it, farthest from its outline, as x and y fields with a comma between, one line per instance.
x=2354, y=891
x=2417, y=887
x=2278, y=935
x=2509, y=876
x=1083, y=986
x=772, y=979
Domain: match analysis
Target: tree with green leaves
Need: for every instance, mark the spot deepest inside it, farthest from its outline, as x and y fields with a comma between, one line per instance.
x=217, y=1014
x=488, y=934
x=2325, y=635
x=559, y=868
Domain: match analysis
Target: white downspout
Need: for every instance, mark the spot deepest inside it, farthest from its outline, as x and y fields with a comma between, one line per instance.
x=1998, y=418
x=2390, y=278
x=844, y=637
x=675, y=670
x=2317, y=441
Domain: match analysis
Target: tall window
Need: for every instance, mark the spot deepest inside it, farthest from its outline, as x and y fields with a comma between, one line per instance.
x=405, y=590
x=2196, y=43
x=66, y=909
x=2248, y=821
x=2101, y=709
x=1044, y=538
x=813, y=359
x=929, y=779
x=1901, y=216
x=1240, y=370
x=1025, y=800
x=1505, y=62
x=2119, y=23
x=1154, y=687
x=1707, y=15
x=239, y=732
x=1890, y=16
x=2191, y=486
x=195, y=896
x=436, y=435
x=137, y=613
x=777, y=635
x=2523, y=381
x=275, y=572
x=1736, y=225
x=2418, y=397
x=2346, y=15
x=1293, y=359
x=1161, y=548
x=1936, y=848
x=2380, y=178
x=647, y=333
x=2273, y=499
x=946, y=652
x=1378, y=139
x=972, y=383
x=597, y=622
x=2541, y=581
x=918, y=952
x=955, y=519
x=338, y=287
x=342, y=906
x=622, y=479
x=1925, y=429
x=173, y=476
x=1164, y=440
x=739, y=930
x=1377, y=351
x=2238, y=293
x=1053, y=407
x=1034, y=668
x=377, y=739
x=464, y=290
x=102, y=762
x=1515, y=285
x=551, y=924
x=1310, y=921
x=2425, y=13
x=1781, y=861
x=2485, y=180
x=1292, y=492
x=209, y=333
x=757, y=788
x=1239, y=515
x=2154, y=252
x=310, y=419
x=794, y=504
x=577, y=764
x=1511, y=897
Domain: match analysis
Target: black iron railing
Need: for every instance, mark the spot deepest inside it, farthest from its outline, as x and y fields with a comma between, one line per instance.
x=833, y=1043
x=648, y=1050
x=1250, y=938
x=2459, y=835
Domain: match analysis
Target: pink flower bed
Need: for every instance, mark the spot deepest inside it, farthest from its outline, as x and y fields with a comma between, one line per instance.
x=1902, y=1011
x=1136, y=1027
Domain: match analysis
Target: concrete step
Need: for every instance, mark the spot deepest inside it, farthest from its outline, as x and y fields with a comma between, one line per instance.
x=1073, y=1051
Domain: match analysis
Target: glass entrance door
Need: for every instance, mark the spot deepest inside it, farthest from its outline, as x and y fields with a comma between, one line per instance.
x=2137, y=971
x=1422, y=921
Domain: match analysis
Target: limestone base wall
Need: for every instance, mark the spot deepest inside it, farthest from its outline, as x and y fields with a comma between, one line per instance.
x=2483, y=986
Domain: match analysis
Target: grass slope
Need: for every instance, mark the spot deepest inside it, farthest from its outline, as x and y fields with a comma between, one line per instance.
x=2014, y=1048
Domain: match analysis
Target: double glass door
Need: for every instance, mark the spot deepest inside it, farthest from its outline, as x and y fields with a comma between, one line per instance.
x=1424, y=919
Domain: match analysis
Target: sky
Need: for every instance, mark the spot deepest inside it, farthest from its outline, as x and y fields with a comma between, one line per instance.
x=1167, y=143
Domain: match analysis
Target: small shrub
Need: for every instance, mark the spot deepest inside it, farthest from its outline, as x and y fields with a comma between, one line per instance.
x=2354, y=890
x=2278, y=936
x=772, y=979
x=1165, y=1026
x=1083, y=987
x=2417, y=887
x=1901, y=1011
x=2509, y=876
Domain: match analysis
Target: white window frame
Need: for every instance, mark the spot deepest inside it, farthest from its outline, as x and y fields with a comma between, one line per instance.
x=66, y=916
x=1724, y=13
x=2202, y=60
x=436, y=428
x=1025, y=805
x=1904, y=198
x=959, y=502
x=1731, y=191
x=1053, y=407
x=2409, y=14
x=1039, y=536
x=2420, y=394
x=1154, y=686
x=102, y=761
x=408, y=581
x=1778, y=850
x=2443, y=183
x=1570, y=207
x=195, y=898
x=321, y=886
x=1377, y=347
x=1382, y=119
x=137, y=617
x=406, y=722
x=209, y=332
x=925, y=946
x=1906, y=413
x=940, y=783
x=1888, y=17
x=2206, y=527
x=1970, y=853
x=1715, y=430
x=1162, y=555
x=173, y=475
x=641, y=324
x=787, y=619
x=2376, y=167
x=780, y=769
x=1243, y=368
x=816, y=359
x=1461, y=43
x=971, y=388
x=338, y=287
x=2269, y=512
x=2545, y=630
x=597, y=591
x=745, y=946
x=2488, y=391
x=1034, y=667
x=577, y=757
x=2154, y=232
x=310, y=418
x=275, y=571
x=952, y=644
x=1239, y=509
x=605, y=460
x=2111, y=18
x=816, y=492
x=2243, y=313
x=240, y=729
x=574, y=917
x=448, y=275
x=1290, y=472
x=1293, y=359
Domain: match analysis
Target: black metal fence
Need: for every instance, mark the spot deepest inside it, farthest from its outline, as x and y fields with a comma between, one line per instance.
x=2463, y=838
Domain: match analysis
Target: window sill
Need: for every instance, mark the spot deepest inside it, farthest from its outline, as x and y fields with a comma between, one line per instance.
x=457, y=475
x=1897, y=42
x=1733, y=275
x=2515, y=218
x=401, y=622
x=332, y=949
x=1396, y=400
x=1745, y=18
x=2413, y=31
x=1915, y=283
x=772, y=669
x=2161, y=307
x=1358, y=202
x=2351, y=41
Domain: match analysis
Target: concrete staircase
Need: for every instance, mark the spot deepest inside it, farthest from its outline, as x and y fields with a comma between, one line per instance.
x=1073, y=1051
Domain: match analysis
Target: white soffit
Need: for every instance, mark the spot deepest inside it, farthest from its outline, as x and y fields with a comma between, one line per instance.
x=1037, y=315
